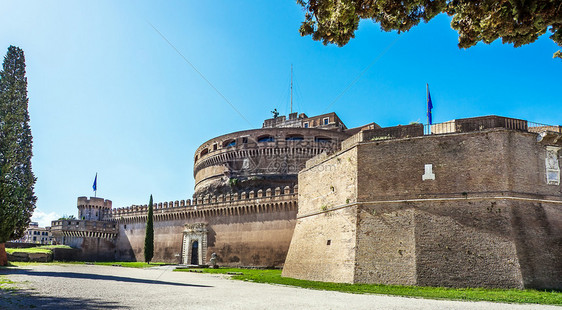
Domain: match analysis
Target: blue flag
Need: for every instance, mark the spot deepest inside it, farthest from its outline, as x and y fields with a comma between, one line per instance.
x=95, y=186
x=429, y=106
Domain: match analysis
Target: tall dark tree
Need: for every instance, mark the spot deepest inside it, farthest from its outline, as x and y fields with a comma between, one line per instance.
x=514, y=21
x=17, y=200
x=149, y=236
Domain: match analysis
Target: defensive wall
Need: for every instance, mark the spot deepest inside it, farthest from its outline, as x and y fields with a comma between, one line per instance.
x=478, y=204
x=245, y=229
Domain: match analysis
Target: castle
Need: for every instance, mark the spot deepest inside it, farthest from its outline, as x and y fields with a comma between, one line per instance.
x=470, y=202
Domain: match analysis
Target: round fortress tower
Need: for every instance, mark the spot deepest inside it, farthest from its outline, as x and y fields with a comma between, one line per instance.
x=92, y=209
x=265, y=158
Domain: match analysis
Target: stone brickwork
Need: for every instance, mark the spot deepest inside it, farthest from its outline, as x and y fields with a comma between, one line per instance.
x=457, y=209
x=245, y=229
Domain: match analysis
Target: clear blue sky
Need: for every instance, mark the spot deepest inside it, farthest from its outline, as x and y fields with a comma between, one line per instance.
x=108, y=94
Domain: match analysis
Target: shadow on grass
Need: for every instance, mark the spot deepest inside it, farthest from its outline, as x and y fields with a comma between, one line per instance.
x=24, y=299
x=91, y=276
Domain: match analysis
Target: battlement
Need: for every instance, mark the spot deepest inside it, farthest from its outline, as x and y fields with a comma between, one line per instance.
x=94, y=202
x=207, y=202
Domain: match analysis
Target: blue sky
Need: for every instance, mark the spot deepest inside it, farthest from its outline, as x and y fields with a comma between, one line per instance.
x=109, y=95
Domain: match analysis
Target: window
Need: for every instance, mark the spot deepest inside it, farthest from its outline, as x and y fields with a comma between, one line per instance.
x=306, y=125
x=245, y=140
x=214, y=147
x=204, y=152
x=322, y=140
x=294, y=138
x=326, y=120
x=265, y=139
x=229, y=143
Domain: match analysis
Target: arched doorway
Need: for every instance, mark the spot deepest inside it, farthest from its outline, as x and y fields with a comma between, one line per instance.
x=195, y=253
x=194, y=244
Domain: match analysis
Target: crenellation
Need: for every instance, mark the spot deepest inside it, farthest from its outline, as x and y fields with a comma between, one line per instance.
x=268, y=192
x=277, y=191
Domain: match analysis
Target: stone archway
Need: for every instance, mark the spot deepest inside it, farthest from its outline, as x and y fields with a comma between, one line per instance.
x=194, y=248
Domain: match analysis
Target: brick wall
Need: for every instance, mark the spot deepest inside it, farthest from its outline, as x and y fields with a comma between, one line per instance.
x=487, y=218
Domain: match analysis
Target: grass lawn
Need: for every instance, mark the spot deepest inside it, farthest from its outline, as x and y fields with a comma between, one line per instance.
x=130, y=264
x=121, y=264
x=472, y=294
x=38, y=249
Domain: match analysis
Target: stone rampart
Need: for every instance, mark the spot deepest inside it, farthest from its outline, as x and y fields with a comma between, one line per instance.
x=472, y=209
x=246, y=229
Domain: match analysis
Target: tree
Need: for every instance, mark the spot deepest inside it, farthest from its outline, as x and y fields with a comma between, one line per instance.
x=149, y=236
x=514, y=21
x=17, y=200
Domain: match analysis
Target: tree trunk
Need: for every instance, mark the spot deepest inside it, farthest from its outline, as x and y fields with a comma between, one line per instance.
x=3, y=255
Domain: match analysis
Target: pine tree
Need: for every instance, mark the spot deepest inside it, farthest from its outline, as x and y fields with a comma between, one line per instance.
x=17, y=200
x=149, y=237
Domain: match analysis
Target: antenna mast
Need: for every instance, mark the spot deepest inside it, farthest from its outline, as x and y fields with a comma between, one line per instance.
x=291, y=88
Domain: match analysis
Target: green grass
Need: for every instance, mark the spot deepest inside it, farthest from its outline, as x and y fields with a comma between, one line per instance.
x=38, y=249
x=121, y=264
x=469, y=294
x=6, y=284
x=130, y=264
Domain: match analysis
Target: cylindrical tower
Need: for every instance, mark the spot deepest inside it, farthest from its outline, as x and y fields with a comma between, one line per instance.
x=264, y=158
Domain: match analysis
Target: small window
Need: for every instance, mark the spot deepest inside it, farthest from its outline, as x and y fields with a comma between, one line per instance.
x=204, y=152
x=196, y=157
x=306, y=125
x=294, y=138
x=326, y=120
x=214, y=147
x=322, y=140
x=245, y=140
x=329, y=242
x=265, y=139
x=125, y=226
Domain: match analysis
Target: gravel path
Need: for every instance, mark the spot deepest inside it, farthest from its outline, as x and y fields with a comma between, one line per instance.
x=106, y=287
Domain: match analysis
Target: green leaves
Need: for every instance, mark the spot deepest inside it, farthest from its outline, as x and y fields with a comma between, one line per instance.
x=149, y=236
x=17, y=200
x=517, y=22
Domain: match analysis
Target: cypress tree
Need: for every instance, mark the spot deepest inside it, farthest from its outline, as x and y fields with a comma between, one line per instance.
x=149, y=237
x=17, y=200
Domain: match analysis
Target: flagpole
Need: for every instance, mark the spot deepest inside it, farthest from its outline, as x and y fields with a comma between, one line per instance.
x=427, y=100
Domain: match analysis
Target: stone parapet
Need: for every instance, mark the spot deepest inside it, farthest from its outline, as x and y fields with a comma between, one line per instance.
x=270, y=200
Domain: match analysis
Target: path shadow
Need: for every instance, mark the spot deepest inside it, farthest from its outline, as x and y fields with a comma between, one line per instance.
x=25, y=299
x=91, y=276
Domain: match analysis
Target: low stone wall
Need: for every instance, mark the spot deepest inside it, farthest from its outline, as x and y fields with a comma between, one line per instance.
x=30, y=257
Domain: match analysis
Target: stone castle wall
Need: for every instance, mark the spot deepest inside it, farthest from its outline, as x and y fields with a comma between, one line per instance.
x=249, y=229
x=462, y=209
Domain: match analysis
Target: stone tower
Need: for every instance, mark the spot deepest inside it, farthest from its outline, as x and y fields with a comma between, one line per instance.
x=92, y=209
